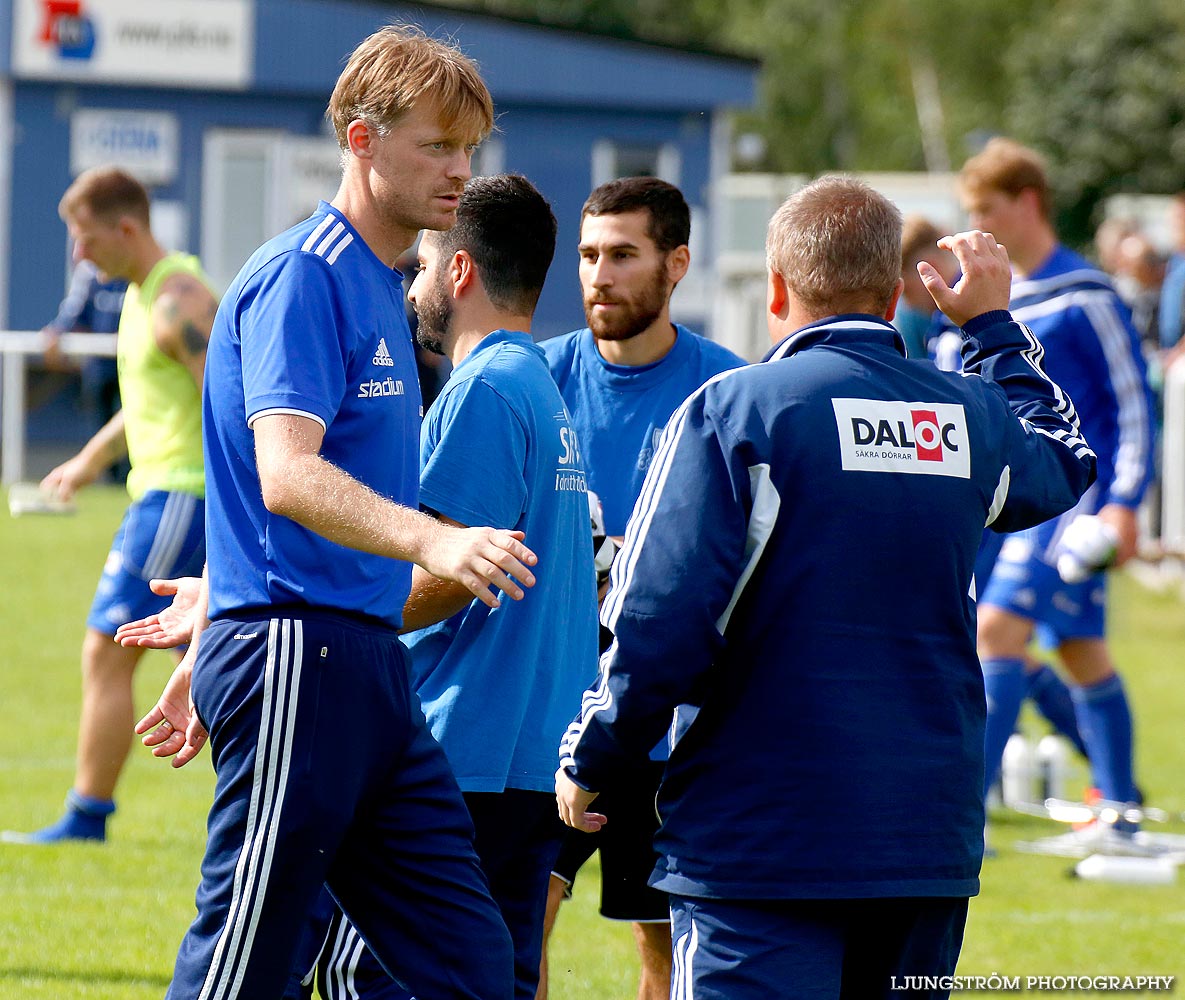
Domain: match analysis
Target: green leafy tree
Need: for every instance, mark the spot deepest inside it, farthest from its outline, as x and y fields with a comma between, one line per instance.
x=1100, y=89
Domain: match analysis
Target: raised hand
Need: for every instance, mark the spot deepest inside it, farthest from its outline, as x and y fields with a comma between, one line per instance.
x=985, y=283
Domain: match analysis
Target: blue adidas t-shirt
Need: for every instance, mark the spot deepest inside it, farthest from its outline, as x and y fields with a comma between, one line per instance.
x=619, y=412
x=313, y=325
x=498, y=685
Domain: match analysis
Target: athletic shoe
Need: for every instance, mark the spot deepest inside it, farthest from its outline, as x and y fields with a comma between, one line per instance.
x=1093, y=838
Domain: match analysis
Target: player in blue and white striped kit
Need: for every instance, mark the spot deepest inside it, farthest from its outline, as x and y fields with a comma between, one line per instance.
x=795, y=582
x=1093, y=353
x=326, y=771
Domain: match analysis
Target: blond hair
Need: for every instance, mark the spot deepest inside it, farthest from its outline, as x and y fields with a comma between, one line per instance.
x=108, y=193
x=837, y=245
x=398, y=66
x=1007, y=166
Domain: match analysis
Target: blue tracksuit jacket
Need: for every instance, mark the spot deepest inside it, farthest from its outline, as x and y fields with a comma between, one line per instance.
x=1093, y=352
x=795, y=582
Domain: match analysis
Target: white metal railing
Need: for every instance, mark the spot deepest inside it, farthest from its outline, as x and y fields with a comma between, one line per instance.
x=15, y=348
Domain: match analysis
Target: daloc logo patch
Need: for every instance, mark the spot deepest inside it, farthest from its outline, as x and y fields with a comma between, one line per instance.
x=877, y=435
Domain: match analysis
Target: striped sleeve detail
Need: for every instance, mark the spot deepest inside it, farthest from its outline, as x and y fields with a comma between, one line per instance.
x=1000, y=496
x=1072, y=438
x=1135, y=434
x=328, y=245
x=767, y=502
x=272, y=411
x=317, y=233
x=338, y=981
x=594, y=700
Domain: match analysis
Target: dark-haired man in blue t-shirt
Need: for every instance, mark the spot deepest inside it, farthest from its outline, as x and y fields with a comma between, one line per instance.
x=622, y=377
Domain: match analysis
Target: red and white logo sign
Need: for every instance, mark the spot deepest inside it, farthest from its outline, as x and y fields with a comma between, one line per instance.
x=877, y=435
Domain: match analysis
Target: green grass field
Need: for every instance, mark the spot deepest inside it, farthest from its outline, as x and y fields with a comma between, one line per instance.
x=103, y=922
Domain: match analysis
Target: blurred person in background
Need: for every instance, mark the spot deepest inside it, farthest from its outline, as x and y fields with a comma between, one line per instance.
x=1111, y=232
x=1139, y=279
x=91, y=305
x=164, y=327
x=1172, y=293
x=1092, y=351
x=917, y=317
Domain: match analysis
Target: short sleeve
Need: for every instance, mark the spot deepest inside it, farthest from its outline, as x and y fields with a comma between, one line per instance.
x=291, y=326
x=473, y=456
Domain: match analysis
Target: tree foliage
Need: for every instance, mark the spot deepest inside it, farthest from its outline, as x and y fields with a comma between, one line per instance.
x=1098, y=85
x=1100, y=89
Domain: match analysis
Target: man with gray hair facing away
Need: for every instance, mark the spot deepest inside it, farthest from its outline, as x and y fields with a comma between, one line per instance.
x=796, y=583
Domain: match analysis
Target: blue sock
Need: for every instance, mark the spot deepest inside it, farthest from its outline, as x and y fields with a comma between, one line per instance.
x=1105, y=721
x=1004, y=684
x=1052, y=697
x=85, y=818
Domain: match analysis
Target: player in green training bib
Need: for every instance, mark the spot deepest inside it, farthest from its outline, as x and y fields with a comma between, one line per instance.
x=163, y=331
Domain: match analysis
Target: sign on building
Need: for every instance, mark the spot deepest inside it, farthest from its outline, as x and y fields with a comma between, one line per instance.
x=144, y=143
x=188, y=43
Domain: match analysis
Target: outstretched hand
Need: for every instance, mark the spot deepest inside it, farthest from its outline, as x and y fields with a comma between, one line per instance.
x=986, y=281
x=168, y=628
x=172, y=728
x=64, y=480
x=478, y=558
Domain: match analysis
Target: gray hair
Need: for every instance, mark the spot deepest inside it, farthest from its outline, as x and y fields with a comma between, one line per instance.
x=837, y=245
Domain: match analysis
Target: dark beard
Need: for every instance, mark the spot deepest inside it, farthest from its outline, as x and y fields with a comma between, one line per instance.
x=435, y=314
x=636, y=316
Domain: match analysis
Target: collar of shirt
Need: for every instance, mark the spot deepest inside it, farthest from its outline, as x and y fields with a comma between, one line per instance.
x=852, y=329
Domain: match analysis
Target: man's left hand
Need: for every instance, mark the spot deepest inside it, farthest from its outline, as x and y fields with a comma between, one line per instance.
x=573, y=802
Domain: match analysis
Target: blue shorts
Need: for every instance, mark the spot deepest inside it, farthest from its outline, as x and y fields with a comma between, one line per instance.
x=1024, y=584
x=327, y=775
x=161, y=536
x=811, y=949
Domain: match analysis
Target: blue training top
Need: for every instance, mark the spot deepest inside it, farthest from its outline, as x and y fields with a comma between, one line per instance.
x=1093, y=352
x=313, y=325
x=795, y=579
x=498, y=686
x=619, y=411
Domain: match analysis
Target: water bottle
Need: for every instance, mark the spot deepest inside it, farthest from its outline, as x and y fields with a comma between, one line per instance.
x=1134, y=871
x=1053, y=767
x=1017, y=772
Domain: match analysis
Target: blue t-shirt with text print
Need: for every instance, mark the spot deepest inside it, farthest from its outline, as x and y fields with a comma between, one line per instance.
x=499, y=686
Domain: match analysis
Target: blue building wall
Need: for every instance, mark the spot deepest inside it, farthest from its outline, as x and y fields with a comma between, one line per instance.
x=557, y=93
x=41, y=169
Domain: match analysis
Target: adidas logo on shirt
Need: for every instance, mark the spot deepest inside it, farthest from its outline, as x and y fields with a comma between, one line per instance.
x=382, y=357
